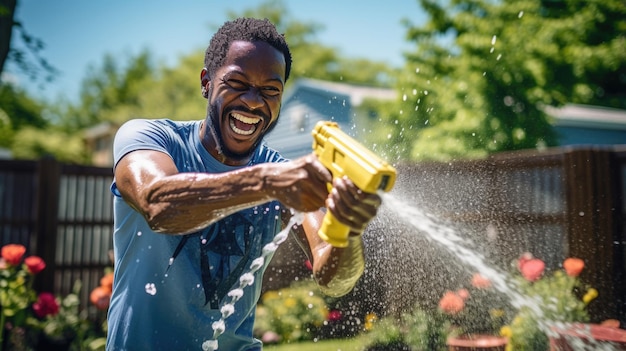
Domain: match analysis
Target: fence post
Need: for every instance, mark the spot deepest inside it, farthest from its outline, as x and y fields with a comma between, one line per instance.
x=592, y=230
x=48, y=183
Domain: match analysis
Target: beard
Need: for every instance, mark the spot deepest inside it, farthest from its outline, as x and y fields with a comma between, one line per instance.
x=214, y=119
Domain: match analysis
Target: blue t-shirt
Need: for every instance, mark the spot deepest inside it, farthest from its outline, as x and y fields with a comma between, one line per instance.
x=160, y=300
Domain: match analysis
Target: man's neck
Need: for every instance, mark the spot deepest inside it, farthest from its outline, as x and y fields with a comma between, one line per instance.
x=208, y=137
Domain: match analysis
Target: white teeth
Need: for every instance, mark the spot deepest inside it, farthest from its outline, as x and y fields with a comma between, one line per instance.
x=247, y=120
x=244, y=119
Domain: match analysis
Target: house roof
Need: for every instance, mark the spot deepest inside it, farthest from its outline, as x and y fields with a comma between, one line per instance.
x=357, y=93
x=588, y=116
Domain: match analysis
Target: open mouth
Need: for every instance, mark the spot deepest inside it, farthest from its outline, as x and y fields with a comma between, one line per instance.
x=243, y=125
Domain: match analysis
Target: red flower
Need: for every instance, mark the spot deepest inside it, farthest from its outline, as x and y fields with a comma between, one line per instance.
x=46, y=305
x=334, y=315
x=12, y=253
x=532, y=269
x=480, y=282
x=35, y=264
x=100, y=297
x=573, y=266
x=451, y=303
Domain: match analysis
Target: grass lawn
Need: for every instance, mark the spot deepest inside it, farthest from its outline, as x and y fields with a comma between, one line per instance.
x=324, y=345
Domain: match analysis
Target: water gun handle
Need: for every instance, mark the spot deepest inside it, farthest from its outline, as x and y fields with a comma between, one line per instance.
x=344, y=156
x=334, y=232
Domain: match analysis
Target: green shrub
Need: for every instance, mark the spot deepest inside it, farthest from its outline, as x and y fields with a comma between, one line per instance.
x=414, y=331
x=293, y=314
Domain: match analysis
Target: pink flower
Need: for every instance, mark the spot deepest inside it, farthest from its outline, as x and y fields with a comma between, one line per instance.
x=532, y=269
x=35, y=264
x=451, y=303
x=525, y=257
x=334, y=315
x=480, y=282
x=13, y=253
x=46, y=305
x=463, y=293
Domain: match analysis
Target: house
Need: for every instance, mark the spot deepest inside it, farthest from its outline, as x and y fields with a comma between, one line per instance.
x=588, y=125
x=99, y=142
x=309, y=101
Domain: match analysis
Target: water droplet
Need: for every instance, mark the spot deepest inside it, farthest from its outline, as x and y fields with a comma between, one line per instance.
x=257, y=264
x=227, y=310
x=171, y=261
x=493, y=40
x=151, y=289
x=209, y=345
x=247, y=279
x=581, y=213
x=520, y=14
x=269, y=248
x=235, y=294
x=138, y=233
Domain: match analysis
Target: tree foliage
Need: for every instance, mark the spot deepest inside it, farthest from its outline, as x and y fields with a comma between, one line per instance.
x=483, y=71
x=115, y=93
x=313, y=59
x=27, y=55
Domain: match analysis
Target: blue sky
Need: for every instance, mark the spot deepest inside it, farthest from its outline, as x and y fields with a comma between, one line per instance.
x=78, y=33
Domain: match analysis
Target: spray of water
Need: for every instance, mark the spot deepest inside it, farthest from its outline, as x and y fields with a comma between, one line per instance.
x=246, y=279
x=450, y=239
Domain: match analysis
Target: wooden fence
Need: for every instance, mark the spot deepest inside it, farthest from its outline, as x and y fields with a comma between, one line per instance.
x=556, y=203
x=62, y=213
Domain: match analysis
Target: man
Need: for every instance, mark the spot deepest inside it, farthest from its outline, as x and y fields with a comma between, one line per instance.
x=196, y=201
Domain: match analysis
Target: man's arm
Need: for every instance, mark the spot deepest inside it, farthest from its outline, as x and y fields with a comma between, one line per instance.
x=337, y=270
x=181, y=203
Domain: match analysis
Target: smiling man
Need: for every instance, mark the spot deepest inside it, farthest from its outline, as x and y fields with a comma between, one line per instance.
x=196, y=201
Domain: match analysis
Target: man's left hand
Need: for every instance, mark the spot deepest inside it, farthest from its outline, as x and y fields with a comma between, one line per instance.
x=352, y=206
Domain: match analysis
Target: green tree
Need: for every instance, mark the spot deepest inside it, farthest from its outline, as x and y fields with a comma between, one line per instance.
x=483, y=71
x=108, y=88
x=115, y=93
x=18, y=111
x=313, y=59
x=27, y=56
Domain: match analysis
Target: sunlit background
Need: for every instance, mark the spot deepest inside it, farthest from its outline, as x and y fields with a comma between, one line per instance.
x=506, y=120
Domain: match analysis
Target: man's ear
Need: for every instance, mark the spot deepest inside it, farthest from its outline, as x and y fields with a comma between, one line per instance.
x=204, y=83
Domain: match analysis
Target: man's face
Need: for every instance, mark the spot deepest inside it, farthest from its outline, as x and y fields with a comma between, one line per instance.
x=245, y=97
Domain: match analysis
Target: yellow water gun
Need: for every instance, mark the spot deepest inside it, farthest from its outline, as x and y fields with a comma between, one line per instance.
x=344, y=156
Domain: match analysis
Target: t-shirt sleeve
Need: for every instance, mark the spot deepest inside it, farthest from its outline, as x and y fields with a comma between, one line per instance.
x=139, y=134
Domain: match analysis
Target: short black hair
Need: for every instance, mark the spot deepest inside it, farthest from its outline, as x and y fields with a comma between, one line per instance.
x=244, y=29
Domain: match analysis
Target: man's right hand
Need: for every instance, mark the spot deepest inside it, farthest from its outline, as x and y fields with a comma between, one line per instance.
x=300, y=184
